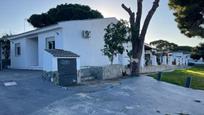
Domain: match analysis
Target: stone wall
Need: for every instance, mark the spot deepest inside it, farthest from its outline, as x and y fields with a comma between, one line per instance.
x=112, y=72
x=102, y=73
x=90, y=73
x=117, y=71
x=159, y=68
x=51, y=76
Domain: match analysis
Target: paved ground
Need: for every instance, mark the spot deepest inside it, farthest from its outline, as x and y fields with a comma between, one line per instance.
x=132, y=96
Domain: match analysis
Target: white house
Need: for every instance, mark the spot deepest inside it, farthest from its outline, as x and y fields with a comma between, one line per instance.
x=81, y=37
x=179, y=58
x=155, y=58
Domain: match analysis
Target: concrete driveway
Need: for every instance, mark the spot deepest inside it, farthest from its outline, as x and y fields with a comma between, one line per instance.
x=29, y=95
x=131, y=96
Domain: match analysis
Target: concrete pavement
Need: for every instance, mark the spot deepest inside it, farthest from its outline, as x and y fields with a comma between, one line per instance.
x=131, y=96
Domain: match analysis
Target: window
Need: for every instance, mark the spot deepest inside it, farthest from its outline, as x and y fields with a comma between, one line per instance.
x=17, y=49
x=50, y=43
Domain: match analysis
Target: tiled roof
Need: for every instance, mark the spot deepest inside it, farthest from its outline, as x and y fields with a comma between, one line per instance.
x=61, y=53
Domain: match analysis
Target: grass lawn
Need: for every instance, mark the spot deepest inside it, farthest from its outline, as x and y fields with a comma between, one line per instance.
x=178, y=77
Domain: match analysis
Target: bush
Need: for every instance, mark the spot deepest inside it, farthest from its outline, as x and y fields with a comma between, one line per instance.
x=6, y=63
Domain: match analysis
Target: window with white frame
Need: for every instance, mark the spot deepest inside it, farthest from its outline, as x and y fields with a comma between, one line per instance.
x=17, y=49
x=50, y=43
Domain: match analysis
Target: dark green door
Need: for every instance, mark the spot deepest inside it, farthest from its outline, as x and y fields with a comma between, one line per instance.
x=67, y=69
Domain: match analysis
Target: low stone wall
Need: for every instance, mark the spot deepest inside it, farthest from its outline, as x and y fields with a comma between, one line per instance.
x=51, y=76
x=151, y=69
x=107, y=72
x=112, y=71
x=91, y=73
x=102, y=73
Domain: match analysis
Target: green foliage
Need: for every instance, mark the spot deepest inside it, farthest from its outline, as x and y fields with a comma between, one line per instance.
x=187, y=49
x=198, y=51
x=164, y=45
x=115, y=37
x=64, y=12
x=189, y=16
x=5, y=46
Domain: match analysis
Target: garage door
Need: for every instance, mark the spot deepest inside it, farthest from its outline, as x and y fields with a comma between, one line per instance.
x=67, y=69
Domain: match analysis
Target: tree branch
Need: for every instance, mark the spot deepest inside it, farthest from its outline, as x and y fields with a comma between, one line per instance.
x=148, y=19
x=139, y=15
x=127, y=9
x=131, y=13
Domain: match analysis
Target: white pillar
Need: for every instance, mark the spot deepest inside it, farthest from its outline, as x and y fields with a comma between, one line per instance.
x=170, y=60
x=120, y=59
x=184, y=60
x=177, y=61
x=181, y=61
x=164, y=60
x=142, y=60
x=154, y=60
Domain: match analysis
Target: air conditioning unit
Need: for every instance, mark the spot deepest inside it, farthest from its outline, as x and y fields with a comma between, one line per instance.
x=86, y=34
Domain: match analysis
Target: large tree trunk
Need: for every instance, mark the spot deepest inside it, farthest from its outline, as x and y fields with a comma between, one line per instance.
x=138, y=38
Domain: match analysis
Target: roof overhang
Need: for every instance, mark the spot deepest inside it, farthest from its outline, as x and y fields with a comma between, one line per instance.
x=34, y=32
x=61, y=53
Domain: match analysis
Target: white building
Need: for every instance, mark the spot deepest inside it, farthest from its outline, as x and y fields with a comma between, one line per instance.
x=82, y=37
x=180, y=58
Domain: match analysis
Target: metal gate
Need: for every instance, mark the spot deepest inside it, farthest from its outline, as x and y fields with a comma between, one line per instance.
x=67, y=70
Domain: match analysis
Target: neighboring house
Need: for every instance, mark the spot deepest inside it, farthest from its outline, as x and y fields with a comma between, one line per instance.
x=180, y=58
x=153, y=57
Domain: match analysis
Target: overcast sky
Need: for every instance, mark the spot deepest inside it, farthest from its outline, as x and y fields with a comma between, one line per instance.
x=14, y=12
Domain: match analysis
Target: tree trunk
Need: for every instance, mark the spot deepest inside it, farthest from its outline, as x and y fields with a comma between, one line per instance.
x=138, y=38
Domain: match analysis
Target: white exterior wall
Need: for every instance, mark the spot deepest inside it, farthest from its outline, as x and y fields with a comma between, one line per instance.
x=69, y=38
x=49, y=62
x=18, y=62
x=57, y=34
x=31, y=52
x=88, y=49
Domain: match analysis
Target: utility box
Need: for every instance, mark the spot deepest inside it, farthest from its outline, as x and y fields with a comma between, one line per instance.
x=61, y=67
x=67, y=70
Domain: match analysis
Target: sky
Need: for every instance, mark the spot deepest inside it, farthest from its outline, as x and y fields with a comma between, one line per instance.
x=15, y=12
